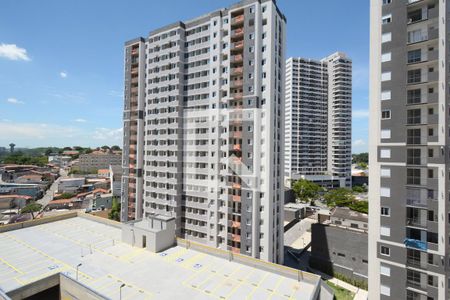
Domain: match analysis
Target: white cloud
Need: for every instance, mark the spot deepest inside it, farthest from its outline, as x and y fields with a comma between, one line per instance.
x=41, y=131
x=12, y=52
x=360, y=113
x=359, y=143
x=108, y=134
x=80, y=120
x=63, y=74
x=14, y=101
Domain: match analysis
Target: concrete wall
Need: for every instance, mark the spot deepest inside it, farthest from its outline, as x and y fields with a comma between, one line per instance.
x=71, y=289
x=34, y=287
x=154, y=234
x=36, y=222
x=335, y=249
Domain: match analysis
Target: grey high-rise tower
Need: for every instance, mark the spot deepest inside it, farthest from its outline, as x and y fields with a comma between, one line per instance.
x=409, y=150
x=318, y=120
x=203, y=128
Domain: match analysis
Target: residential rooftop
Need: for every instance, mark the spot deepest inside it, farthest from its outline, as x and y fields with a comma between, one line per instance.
x=348, y=214
x=185, y=271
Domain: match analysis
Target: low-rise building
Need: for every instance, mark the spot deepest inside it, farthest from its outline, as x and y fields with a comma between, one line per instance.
x=115, y=177
x=103, y=173
x=91, y=254
x=34, y=191
x=99, y=160
x=70, y=185
x=340, y=244
x=61, y=161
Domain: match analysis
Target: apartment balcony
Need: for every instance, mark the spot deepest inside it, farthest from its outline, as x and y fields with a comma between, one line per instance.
x=416, y=244
x=134, y=70
x=238, y=46
x=236, y=185
x=237, y=83
x=134, y=90
x=237, y=71
x=131, y=205
x=236, y=198
x=416, y=222
x=236, y=224
x=135, y=51
x=131, y=195
x=416, y=200
x=236, y=238
x=237, y=134
x=237, y=58
x=237, y=34
x=235, y=250
x=237, y=96
x=237, y=147
x=237, y=20
x=236, y=122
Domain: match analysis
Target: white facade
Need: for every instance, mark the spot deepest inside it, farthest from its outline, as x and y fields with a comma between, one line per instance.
x=318, y=120
x=213, y=134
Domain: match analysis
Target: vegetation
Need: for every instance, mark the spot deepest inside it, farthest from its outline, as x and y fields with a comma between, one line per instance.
x=31, y=208
x=65, y=196
x=360, y=158
x=340, y=293
x=339, y=197
x=115, y=148
x=25, y=159
x=78, y=172
x=358, y=283
x=359, y=189
x=114, y=214
x=363, y=165
x=360, y=206
x=306, y=191
x=344, y=197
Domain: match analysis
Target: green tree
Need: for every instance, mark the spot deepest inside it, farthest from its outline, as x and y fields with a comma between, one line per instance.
x=362, y=165
x=48, y=151
x=359, y=189
x=31, y=208
x=114, y=214
x=115, y=148
x=360, y=206
x=339, y=197
x=65, y=196
x=306, y=191
x=361, y=157
x=105, y=147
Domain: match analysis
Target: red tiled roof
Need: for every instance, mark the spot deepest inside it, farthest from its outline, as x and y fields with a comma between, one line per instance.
x=15, y=196
x=61, y=201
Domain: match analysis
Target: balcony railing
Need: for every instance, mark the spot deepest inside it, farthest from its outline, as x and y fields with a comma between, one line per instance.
x=236, y=71
x=416, y=244
x=417, y=222
x=237, y=20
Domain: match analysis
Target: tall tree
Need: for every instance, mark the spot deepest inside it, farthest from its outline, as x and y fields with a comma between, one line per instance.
x=114, y=214
x=340, y=197
x=31, y=208
x=306, y=191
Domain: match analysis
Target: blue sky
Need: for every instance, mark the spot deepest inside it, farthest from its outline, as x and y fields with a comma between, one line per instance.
x=61, y=62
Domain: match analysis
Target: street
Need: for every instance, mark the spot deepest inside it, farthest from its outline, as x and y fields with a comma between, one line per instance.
x=50, y=192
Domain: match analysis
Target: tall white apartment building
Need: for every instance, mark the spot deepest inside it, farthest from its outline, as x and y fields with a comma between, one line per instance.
x=318, y=120
x=208, y=99
x=409, y=232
